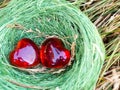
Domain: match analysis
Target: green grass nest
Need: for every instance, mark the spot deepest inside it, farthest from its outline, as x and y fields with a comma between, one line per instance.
x=36, y=19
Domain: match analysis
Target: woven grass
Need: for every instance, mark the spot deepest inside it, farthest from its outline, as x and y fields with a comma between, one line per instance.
x=38, y=19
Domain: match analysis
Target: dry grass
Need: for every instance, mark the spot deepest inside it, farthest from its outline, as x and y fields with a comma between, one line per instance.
x=3, y=3
x=105, y=14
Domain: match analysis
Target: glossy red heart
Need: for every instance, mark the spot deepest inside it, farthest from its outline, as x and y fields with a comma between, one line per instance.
x=53, y=54
x=25, y=54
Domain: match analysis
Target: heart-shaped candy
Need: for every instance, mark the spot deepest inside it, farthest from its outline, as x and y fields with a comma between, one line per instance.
x=53, y=53
x=25, y=54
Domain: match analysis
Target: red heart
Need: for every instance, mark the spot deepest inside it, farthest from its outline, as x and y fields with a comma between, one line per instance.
x=53, y=54
x=25, y=54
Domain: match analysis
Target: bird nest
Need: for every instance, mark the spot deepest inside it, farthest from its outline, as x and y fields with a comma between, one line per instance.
x=37, y=20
